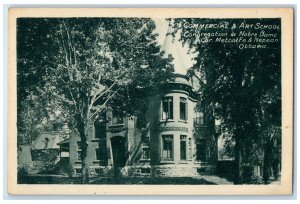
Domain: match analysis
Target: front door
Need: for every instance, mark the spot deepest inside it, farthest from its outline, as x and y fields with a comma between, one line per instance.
x=118, y=151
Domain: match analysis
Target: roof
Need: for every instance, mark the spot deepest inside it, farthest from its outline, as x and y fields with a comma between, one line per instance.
x=66, y=141
x=181, y=79
x=48, y=140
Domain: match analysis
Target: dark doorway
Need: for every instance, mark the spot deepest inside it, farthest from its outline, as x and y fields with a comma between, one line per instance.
x=118, y=151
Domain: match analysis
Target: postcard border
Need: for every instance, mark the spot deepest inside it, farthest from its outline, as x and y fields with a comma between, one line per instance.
x=286, y=14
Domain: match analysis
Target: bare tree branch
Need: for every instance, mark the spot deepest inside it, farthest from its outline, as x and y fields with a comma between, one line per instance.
x=98, y=110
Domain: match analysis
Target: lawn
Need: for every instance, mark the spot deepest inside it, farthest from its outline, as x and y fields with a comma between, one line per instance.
x=56, y=179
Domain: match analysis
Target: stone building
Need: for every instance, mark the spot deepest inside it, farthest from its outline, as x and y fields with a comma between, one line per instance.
x=47, y=143
x=178, y=138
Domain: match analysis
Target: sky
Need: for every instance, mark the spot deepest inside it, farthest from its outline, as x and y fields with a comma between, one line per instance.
x=161, y=29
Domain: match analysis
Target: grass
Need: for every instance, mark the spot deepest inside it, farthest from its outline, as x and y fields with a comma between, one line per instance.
x=56, y=179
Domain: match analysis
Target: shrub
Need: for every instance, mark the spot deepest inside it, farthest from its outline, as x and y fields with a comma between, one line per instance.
x=250, y=177
x=22, y=174
x=68, y=169
x=46, y=167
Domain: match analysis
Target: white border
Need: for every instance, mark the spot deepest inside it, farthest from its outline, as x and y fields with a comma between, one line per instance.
x=3, y=92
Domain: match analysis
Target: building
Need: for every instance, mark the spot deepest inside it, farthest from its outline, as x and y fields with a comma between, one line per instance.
x=24, y=155
x=47, y=143
x=177, y=136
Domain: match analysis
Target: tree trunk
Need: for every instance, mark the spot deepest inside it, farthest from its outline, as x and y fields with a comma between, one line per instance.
x=267, y=162
x=277, y=157
x=238, y=178
x=85, y=172
x=84, y=136
x=276, y=169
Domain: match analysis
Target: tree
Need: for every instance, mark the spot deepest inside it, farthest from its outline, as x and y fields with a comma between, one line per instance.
x=94, y=63
x=271, y=132
x=34, y=52
x=235, y=80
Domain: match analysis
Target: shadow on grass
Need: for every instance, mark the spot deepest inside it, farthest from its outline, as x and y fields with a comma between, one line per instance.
x=55, y=179
x=228, y=177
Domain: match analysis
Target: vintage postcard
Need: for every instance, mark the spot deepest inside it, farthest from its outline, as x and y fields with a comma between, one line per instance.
x=150, y=101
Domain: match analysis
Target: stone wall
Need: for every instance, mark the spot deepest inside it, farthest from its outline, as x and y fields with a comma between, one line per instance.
x=182, y=170
x=153, y=171
x=91, y=153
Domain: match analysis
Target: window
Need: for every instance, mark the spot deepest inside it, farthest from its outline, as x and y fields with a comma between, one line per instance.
x=79, y=145
x=145, y=170
x=64, y=147
x=145, y=153
x=167, y=147
x=98, y=154
x=199, y=118
x=117, y=118
x=145, y=148
x=79, y=150
x=167, y=108
x=201, y=147
x=78, y=171
x=183, y=109
x=190, y=154
x=183, y=147
x=99, y=129
x=79, y=155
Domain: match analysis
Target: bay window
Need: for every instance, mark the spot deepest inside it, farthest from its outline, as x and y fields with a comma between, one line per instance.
x=167, y=141
x=183, y=108
x=167, y=108
x=183, y=147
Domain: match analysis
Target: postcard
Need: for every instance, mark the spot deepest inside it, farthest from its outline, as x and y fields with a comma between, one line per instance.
x=150, y=101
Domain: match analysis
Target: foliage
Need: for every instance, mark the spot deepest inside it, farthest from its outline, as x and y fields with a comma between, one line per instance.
x=33, y=53
x=47, y=167
x=22, y=174
x=69, y=170
x=45, y=155
x=85, y=65
x=244, y=83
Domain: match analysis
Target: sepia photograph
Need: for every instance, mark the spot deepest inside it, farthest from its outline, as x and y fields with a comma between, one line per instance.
x=152, y=101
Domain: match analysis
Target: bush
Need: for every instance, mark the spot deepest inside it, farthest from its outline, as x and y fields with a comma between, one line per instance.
x=68, y=169
x=255, y=180
x=22, y=174
x=46, y=167
x=250, y=177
